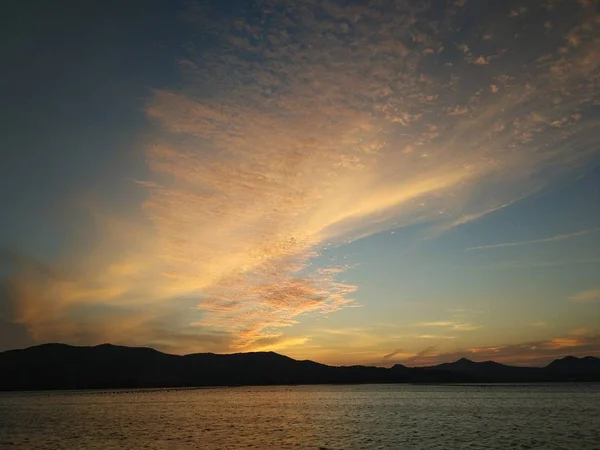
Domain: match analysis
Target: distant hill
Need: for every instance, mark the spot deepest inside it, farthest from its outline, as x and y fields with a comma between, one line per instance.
x=60, y=366
x=587, y=368
x=492, y=371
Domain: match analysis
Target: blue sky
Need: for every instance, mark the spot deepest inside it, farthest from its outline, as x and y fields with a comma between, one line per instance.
x=338, y=181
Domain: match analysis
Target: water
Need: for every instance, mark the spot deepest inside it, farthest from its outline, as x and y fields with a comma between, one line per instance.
x=336, y=417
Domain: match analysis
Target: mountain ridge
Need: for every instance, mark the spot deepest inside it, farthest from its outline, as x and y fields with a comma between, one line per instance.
x=63, y=366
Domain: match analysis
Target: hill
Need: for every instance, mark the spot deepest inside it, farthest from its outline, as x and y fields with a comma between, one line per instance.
x=60, y=366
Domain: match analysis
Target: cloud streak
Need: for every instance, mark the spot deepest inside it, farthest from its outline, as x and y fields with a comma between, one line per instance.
x=577, y=343
x=452, y=325
x=589, y=296
x=557, y=238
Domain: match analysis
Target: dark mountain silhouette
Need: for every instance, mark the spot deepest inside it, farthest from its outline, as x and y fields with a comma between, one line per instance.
x=60, y=366
x=587, y=368
x=491, y=371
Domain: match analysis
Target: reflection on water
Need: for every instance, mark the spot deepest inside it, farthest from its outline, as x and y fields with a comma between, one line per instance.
x=374, y=416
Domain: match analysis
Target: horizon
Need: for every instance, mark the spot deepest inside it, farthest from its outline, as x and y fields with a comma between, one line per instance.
x=353, y=183
x=446, y=361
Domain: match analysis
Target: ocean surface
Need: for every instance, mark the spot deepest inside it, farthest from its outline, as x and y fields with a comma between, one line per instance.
x=560, y=416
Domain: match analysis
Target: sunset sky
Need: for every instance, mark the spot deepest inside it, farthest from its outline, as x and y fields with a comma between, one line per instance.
x=353, y=182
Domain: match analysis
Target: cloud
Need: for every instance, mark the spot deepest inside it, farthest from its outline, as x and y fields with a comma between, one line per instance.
x=278, y=344
x=533, y=264
x=425, y=353
x=557, y=238
x=442, y=227
x=11, y=335
x=435, y=336
x=458, y=326
x=287, y=135
x=589, y=296
x=576, y=343
x=480, y=60
x=394, y=353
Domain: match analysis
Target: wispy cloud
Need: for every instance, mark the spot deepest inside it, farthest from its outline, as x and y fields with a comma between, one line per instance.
x=425, y=353
x=576, y=343
x=589, y=296
x=288, y=134
x=394, y=353
x=435, y=336
x=556, y=238
x=507, y=265
x=458, y=326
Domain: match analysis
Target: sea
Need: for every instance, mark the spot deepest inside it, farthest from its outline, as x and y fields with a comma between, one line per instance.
x=401, y=416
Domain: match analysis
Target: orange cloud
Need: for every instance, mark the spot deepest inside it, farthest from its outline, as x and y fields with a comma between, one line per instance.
x=529, y=353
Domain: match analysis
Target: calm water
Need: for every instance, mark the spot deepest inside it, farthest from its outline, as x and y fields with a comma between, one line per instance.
x=336, y=417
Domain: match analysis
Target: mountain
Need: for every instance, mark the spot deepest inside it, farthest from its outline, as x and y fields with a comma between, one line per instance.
x=587, y=368
x=60, y=366
x=491, y=371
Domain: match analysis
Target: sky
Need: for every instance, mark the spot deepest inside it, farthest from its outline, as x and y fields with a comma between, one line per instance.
x=352, y=182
